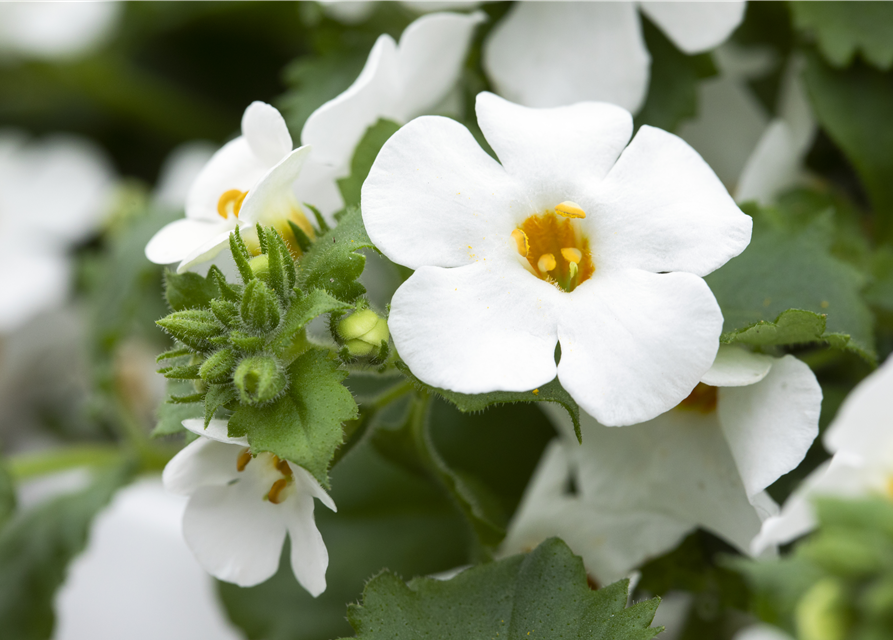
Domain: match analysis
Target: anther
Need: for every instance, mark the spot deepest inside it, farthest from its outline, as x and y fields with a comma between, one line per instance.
x=275, y=495
x=522, y=242
x=243, y=459
x=546, y=262
x=283, y=468
x=570, y=209
x=230, y=202
x=572, y=255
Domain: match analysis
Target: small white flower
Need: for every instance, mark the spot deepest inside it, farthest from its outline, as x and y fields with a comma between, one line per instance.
x=642, y=488
x=248, y=181
x=241, y=507
x=861, y=439
x=572, y=240
x=56, y=30
x=545, y=54
x=55, y=193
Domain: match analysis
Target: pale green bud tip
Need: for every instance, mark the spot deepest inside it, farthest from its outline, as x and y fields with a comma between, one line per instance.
x=259, y=380
x=822, y=612
x=363, y=332
x=260, y=265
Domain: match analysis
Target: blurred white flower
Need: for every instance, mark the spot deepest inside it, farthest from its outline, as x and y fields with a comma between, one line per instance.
x=547, y=54
x=248, y=181
x=399, y=82
x=861, y=439
x=53, y=193
x=642, y=488
x=56, y=29
x=241, y=507
x=567, y=241
x=762, y=632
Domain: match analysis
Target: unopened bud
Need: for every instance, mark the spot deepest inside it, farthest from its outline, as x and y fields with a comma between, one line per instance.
x=218, y=366
x=259, y=380
x=260, y=306
x=192, y=327
x=260, y=266
x=363, y=332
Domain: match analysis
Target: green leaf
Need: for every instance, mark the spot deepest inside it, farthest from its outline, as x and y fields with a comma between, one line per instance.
x=673, y=85
x=333, y=263
x=363, y=157
x=543, y=594
x=302, y=310
x=842, y=29
x=783, y=270
x=551, y=392
x=171, y=414
x=35, y=549
x=854, y=108
x=7, y=495
x=304, y=425
x=188, y=290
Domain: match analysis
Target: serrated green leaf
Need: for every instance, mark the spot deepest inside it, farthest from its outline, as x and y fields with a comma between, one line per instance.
x=842, y=29
x=543, y=594
x=551, y=392
x=35, y=549
x=302, y=310
x=333, y=263
x=363, y=157
x=188, y=290
x=304, y=425
x=171, y=415
x=218, y=396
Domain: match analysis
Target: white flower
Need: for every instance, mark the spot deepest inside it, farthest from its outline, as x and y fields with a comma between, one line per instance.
x=56, y=30
x=762, y=632
x=398, y=83
x=545, y=54
x=861, y=439
x=248, y=181
x=568, y=241
x=641, y=489
x=55, y=194
x=241, y=507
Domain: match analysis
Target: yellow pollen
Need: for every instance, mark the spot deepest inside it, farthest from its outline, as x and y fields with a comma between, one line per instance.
x=283, y=467
x=570, y=209
x=230, y=203
x=275, y=495
x=572, y=255
x=243, y=459
x=702, y=399
x=546, y=263
x=521, y=240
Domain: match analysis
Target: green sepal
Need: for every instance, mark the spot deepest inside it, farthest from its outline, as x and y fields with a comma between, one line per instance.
x=260, y=308
x=170, y=415
x=227, y=291
x=302, y=310
x=188, y=399
x=261, y=237
x=321, y=223
x=259, y=380
x=305, y=424
x=227, y=312
x=303, y=240
x=543, y=594
x=550, y=392
x=171, y=354
x=217, y=367
x=281, y=266
x=182, y=372
x=218, y=395
x=241, y=255
x=192, y=327
x=246, y=342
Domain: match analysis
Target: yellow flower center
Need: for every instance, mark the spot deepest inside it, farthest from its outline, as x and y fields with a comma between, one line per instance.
x=230, y=202
x=555, y=247
x=701, y=399
x=276, y=468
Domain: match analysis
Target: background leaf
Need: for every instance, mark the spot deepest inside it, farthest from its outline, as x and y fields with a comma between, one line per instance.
x=843, y=29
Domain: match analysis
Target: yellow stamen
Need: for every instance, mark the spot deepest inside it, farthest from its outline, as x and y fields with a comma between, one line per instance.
x=572, y=255
x=522, y=242
x=283, y=467
x=570, y=209
x=275, y=495
x=243, y=459
x=230, y=203
x=703, y=398
x=546, y=262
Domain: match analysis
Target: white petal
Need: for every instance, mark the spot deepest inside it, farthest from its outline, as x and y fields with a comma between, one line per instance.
x=176, y=240
x=634, y=344
x=737, y=367
x=309, y=557
x=865, y=420
x=180, y=169
x=217, y=430
x=551, y=54
x=308, y=484
x=431, y=55
x=477, y=328
x=234, y=533
x=661, y=208
x=434, y=197
x=201, y=463
x=772, y=168
x=554, y=153
x=265, y=131
x=335, y=129
x=233, y=166
x=771, y=425
x=272, y=199
x=347, y=11
x=43, y=282
x=208, y=251
x=316, y=185
x=696, y=26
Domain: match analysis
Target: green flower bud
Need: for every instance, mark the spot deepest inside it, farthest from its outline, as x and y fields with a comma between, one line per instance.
x=225, y=311
x=218, y=366
x=260, y=306
x=259, y=380
x=822, y=612
x=246, y=342
x=260, y=266
x=363, y=332
x=192, y=327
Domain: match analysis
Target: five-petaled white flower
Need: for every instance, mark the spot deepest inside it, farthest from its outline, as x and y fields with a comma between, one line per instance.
x=642, y=488
x=248, y=181
x=241, y=507
x=546, y=54
x=572, y=241
x=861, y=439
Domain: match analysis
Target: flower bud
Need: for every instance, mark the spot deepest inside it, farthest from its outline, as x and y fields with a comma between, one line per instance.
x=192, y=327
x=225, y=311
x=260, y=266
x=218, y=366
x=260, y=306
x=259, y=380
x=363, y=332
